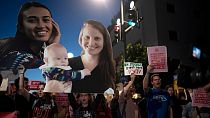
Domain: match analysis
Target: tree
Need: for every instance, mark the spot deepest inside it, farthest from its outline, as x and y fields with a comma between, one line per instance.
x=135, y=53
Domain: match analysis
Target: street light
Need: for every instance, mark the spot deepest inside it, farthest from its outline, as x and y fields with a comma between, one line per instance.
x=122, y=29
x=133, y=15
x=133, y=21
x=132, y=6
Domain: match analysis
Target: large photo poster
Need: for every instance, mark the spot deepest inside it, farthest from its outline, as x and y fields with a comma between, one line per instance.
x=33, y=26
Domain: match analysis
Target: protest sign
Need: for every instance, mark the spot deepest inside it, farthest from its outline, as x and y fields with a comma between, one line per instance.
x=157, y=56
x=34, y=85
x=131, y=67
x=200, y=98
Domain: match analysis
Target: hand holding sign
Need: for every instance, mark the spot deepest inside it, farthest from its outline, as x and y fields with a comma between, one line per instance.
x=133, y=76
x=150, y=68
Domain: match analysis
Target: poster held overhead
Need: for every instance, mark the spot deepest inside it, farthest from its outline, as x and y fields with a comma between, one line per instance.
x=157, y=56
x=131, y=67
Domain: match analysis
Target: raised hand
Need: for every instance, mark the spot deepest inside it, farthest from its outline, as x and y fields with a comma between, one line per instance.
x=56, y=34
x=133, y=76
x=150, y=68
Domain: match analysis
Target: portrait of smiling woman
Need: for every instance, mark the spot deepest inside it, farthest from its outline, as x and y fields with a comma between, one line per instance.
x=35, y=28
x=96, y=56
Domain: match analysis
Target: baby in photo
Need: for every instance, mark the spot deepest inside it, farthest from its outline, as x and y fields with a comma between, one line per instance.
x=56, y=71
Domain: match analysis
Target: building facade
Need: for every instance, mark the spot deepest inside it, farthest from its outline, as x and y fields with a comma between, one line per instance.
x=177, y=24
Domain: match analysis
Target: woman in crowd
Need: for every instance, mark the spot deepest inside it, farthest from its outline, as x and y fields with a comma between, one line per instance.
x=174, y=102
x=85, y=108
x=101, y=107
x=7, y=104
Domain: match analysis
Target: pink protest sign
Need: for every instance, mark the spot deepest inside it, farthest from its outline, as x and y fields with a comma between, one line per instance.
x=200, y=98
x=157, y=56
x=34, y=85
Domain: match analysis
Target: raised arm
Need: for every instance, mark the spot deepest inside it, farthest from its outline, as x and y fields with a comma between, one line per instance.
x=22, y=90
x=56, y=34
x=146, y=77
x=21, y=76
x=133, y=76
x=207, y=88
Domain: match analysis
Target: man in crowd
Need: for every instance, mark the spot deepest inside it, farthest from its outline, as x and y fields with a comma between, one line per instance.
x=157, y=98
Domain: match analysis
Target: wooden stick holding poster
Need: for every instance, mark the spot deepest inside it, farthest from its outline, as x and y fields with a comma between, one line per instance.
x=131, y=67
x=157, y=56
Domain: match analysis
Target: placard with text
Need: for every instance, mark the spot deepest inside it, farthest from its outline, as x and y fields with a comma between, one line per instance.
x=131, y=67
x=200, y=98
x=34, y=85
x=157, y=56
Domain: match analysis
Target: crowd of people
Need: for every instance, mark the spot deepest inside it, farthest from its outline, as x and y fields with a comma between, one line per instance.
x=155, y=103
x=83, y=79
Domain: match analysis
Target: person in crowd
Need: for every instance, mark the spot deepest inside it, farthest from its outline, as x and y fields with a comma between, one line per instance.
x=96, y=56
x=174, y=102
x=74, y=102
x=7, y=104
x=56, y=70
x=109, y=94
x=142, y=104
x=185, y=101
x=85, y=109
x=128, y=108
x=11, y=88
x=63, y=106
x=23, y=99
x=207, y=88
x=115, y=105
x=158, y=101
x=35, y=94
x=101, y=107
x=185, y=97
x=44, y=106
x=70, y=113
x=35, y=29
